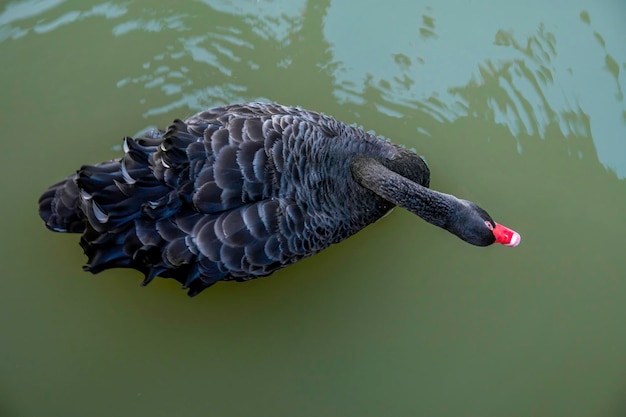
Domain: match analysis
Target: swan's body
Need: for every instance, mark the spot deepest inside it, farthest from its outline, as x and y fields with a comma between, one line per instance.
x=237, y=192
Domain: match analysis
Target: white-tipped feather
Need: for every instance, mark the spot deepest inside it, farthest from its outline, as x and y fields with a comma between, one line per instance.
x=125, y=174
x=85, y=195
x=100, y=214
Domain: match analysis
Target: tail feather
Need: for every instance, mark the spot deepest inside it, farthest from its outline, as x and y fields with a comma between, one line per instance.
x=136, y=212
x=59, y=207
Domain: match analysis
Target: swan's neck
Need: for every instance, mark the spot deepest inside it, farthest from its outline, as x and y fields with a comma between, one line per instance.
x=435, y=207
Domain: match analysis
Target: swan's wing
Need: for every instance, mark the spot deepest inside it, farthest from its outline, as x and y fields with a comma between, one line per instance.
x=201, y=204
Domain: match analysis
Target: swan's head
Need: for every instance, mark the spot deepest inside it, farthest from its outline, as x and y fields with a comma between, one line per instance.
x=474, y=225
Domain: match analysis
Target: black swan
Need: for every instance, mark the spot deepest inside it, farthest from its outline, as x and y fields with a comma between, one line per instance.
x=240, y=191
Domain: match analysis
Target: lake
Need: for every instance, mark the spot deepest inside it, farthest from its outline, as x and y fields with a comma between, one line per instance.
x=518, y=106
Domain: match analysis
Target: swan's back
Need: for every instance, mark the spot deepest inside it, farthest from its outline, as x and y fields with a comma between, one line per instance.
x=234, y=192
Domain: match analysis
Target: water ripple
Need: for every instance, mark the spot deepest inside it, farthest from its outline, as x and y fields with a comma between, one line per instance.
x=17, y=11
x=23, y=11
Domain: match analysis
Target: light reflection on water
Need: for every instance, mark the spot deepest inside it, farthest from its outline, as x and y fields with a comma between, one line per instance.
x=537, y=79
x=17, y=11
x=551, y=75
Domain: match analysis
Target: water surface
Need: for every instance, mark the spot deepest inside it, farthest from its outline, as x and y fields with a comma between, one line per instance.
x=518, y=107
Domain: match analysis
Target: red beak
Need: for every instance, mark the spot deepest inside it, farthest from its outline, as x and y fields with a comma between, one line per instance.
x=506, y=236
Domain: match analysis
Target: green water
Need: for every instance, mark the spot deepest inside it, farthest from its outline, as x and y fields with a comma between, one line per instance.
x=518, y=106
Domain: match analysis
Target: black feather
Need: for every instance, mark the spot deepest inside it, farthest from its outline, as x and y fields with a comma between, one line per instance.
x=232, y=193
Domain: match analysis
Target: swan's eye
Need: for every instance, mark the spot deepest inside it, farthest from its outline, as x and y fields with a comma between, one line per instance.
x=489, y=225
